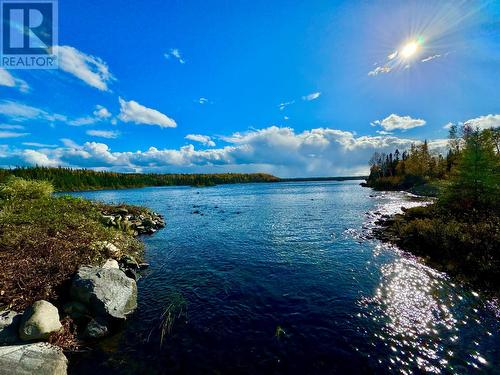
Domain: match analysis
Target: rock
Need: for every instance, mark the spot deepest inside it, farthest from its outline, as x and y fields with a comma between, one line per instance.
x=122, y=211
x=129, y=262
x=76, y=310
x=147, y=222
x=39, y=321
x=110, y=248
x=9, y=327
x=108, y=220
x=96, y=329
x=108, y=292
x=111, y=263
x=39, y=359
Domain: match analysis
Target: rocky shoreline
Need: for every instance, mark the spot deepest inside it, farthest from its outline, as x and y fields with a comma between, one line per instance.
x=100, y=299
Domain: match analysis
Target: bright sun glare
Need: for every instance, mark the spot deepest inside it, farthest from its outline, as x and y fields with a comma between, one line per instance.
x=409, y=49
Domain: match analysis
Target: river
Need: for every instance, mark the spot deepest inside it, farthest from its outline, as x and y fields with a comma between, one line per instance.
x=286, y=278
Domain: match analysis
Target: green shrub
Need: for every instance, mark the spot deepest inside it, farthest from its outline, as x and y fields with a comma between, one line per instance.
x=16, y=188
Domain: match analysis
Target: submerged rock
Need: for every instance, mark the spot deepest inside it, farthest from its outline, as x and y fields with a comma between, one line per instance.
x=96, y=329
x=39, y=321
x=107, y=291
x=39, y=359
x=9, y=327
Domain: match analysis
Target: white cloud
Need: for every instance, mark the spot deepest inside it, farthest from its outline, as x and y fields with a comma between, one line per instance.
x=379, y=70
x=176, y=54
x=81, y=121
x=33, y=157
x=312, y=96
x=429, y=58
x=11, y=127
x=132, y=111
x=484, y=122
x=91, y=70
x=277, y=150
x=203, y=139
x=41, y=145
x=111, y=134
x=7, y=134
x=202, y=100
x=7, y=79
x=394, y=122
x=101, y=112
x=283, y=105
x=448, y=126
x=21, y=112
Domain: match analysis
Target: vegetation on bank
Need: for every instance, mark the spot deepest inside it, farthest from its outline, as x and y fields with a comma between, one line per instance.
x=67, y=179
x=45, y=238
x=460, y=232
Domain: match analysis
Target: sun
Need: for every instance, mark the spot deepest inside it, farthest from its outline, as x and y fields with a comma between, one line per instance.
x=409, y=49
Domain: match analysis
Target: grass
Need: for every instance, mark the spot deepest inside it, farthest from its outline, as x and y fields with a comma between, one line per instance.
x=44, y=239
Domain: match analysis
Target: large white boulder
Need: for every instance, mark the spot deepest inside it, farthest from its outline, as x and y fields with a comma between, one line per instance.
x=39, y=359
x=39, y=321
x=108, y=292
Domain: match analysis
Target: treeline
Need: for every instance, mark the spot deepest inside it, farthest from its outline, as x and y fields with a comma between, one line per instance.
x=419, y=166
x=67, y=179
x=460, y=232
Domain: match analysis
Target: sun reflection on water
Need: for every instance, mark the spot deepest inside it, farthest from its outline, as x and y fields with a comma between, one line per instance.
x=419, y=314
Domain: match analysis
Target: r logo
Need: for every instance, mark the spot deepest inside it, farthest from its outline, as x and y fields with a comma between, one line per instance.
x=28, y=30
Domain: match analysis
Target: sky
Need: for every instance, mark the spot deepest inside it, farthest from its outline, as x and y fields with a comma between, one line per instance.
x=292, y=88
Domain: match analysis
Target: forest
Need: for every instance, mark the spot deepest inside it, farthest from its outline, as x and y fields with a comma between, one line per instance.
x=460, y=231
x=67, y=179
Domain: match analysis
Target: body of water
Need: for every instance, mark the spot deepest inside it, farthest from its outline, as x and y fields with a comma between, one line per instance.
x=285, y=278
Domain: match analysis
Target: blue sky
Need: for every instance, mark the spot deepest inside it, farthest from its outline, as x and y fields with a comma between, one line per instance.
x=287, y=87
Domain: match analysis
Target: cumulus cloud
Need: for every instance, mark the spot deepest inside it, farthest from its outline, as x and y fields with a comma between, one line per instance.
x=101, y=112
x=484, y=122
x=278, y=150
x=176, y=54
x=110, y=134
x=33, y=157
x=396, y=122
x=203, y=139
x=311, y=96
x=90, y=69
x=131, y=111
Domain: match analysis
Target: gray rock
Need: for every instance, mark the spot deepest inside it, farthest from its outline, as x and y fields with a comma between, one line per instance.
x=107, y=291
x=9, y=327
x=39, y=359
x=111, y=263
x=96, y=329
x=39, y=321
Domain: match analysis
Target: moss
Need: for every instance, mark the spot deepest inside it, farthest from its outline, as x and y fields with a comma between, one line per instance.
x=44, y=239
